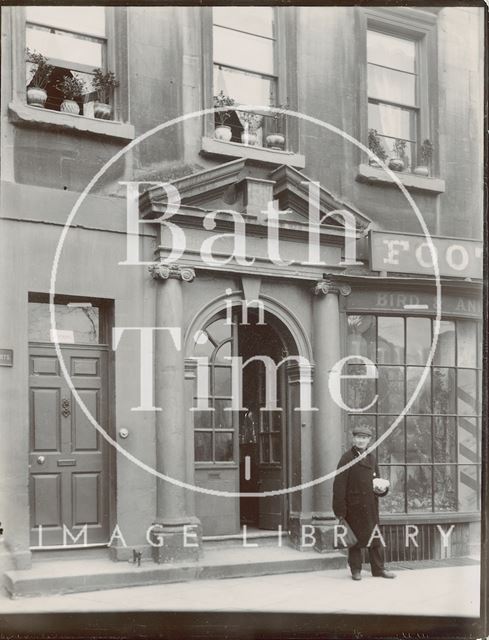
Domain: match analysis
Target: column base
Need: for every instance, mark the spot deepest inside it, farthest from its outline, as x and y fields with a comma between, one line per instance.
x=324, y=535
x=299, y=531
x=177, y=541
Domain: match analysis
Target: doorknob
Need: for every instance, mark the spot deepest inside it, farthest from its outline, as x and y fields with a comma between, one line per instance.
x=65, y=408
x=41, y=459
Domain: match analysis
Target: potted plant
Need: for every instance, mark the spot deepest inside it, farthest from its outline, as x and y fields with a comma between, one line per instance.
x=36, y=92
x=399, y=161
x=277, y=140
x=104, y=84
x=222, y=130
x=251, y=123
x=376, y=147
x=71, y=87
x=426, y=154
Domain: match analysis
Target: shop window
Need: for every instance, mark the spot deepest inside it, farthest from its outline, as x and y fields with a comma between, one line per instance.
x=75, y=42
x=246, y=57
x=432, y=457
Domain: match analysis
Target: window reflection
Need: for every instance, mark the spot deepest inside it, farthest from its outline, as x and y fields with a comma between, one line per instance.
x=390, y=340
x=418, y=339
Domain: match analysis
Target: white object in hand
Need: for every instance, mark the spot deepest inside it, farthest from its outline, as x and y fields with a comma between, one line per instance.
x=381, y=484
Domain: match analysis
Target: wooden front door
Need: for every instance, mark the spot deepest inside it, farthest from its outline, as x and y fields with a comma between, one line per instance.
x=68, y=459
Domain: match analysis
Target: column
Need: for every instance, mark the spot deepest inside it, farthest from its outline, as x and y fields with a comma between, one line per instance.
x=327, y=434
x=173, y=523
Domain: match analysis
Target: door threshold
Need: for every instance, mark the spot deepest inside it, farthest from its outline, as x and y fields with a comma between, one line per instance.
x=68, y=547
x=261, y=533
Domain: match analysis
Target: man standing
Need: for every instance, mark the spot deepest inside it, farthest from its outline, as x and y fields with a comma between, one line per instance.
x=355, y=500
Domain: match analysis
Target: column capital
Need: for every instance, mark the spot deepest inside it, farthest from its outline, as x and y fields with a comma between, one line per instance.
x=330, y=285
x=162, y=271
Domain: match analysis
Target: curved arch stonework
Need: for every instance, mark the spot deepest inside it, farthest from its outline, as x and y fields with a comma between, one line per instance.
x=274, y=307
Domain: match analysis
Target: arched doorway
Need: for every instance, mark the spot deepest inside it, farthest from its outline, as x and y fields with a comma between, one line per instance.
x=245, y=451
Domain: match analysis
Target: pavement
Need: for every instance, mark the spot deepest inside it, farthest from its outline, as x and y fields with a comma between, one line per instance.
x=420, y=589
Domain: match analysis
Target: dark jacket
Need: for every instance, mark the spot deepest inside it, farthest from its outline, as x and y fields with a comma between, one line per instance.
x=354, y=498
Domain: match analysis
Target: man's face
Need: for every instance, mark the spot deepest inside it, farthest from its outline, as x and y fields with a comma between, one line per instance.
x=361, y=442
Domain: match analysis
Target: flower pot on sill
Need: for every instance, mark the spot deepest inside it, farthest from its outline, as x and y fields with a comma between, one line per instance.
x=374, y=163
x=70, y=106
x=223, y=132
x=396, y=164
x=36, y=96
x=102, y=110
x=276, y=141
x=422, y=170
x=249, y=138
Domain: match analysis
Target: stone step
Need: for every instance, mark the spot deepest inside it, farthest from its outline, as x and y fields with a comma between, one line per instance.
x=72, y=576
x=260, y=538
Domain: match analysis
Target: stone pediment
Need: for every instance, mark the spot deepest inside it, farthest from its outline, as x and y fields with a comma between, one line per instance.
x=242, y=186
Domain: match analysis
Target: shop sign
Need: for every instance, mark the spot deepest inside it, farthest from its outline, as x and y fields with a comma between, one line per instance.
x=413, y=303
x=6, y=357
x=409, y=253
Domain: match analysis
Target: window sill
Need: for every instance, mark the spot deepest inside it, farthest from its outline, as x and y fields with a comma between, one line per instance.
x=23, y=114
x=218, y=148
x=375, y=175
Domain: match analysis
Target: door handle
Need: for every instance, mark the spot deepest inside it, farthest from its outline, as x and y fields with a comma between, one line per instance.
x=41, y=459
x=65, y=408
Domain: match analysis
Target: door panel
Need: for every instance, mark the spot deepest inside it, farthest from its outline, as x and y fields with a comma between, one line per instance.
x=69, y=459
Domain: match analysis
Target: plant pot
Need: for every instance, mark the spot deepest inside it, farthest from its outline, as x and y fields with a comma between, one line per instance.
x=396, y=164
x=374, y=163
x=70, y=106
x=36, y=97
x=223, y=132
x=276, y=141
x=102, y=110
x=422, y=170
x=249, y=138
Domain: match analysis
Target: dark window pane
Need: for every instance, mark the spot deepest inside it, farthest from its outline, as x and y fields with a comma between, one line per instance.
x=360, y=389
x=223, y=419
x=419, y=490
x=418, y=439
x=422, y=398
x=265, y=421
x=224, y=447
x=203, y=446
x=391, y=85
x=390, y=51
x=418, y=340
x=467, y=440
x=446, y=488
x=394, y=122
x=467, y=343
x=443, y=390
x=445, y=349
x=444, y=439
x=276, y=448
x=467, y=488
x=390, y=450
x=264, y=448
x=466, y=392
x=202, y=419
x=276, y=424
x=390, y=344
x=394, y=501
x=361, y=336
x=391, y=389
x=76, y=325
x=222, y=381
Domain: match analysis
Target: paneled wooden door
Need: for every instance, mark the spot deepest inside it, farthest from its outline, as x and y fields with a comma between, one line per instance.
x=68, y=459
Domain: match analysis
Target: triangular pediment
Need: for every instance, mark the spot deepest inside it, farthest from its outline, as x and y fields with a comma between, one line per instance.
x=245, y=187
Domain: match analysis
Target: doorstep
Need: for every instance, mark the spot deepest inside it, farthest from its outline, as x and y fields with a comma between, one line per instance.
x=73, y=576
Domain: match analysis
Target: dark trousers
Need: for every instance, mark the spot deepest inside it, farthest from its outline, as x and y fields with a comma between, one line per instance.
x=375, y=554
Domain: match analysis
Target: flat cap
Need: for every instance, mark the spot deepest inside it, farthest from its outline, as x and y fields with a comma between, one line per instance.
x=362, y=430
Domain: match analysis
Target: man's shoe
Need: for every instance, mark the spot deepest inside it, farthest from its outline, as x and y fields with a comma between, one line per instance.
x=385, y=574
x=356, y=575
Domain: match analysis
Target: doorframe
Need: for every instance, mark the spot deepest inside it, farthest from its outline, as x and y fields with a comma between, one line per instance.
x=106, y=321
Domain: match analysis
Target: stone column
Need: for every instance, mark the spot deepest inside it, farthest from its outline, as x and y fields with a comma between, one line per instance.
x=327, y=434
x=173, y=522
